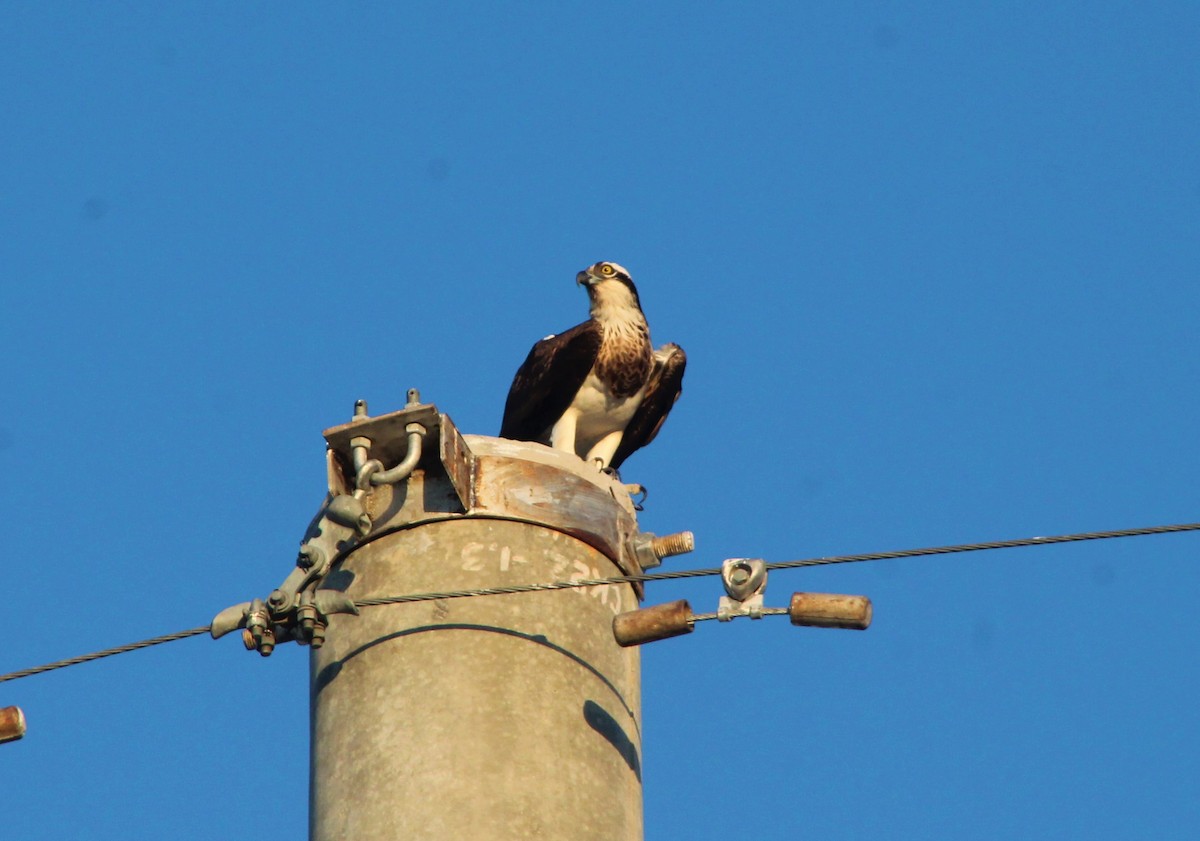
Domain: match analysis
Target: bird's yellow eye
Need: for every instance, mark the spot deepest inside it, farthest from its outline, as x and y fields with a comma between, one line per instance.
x=607, y=270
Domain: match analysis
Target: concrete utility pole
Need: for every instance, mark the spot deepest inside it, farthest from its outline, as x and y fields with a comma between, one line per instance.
x=442, y=712
x=499, y=717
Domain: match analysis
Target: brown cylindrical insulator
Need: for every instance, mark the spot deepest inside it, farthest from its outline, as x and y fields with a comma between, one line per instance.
x=830, y=610
x=12, y=724
x=653, y=623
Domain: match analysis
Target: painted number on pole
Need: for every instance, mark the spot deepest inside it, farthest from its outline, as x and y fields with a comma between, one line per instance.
x=484, y=557
x=478, y=557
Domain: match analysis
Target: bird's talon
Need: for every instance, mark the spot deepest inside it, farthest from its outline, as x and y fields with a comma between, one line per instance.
x=640, y=492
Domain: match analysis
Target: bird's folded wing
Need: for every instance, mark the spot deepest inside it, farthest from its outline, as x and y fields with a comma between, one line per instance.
x=548, y=380
x=662, y=390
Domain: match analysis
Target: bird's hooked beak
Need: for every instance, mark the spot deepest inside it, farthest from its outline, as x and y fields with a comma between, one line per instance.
x=585, y=278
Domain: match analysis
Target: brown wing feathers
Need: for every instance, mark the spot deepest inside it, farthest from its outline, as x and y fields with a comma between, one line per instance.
x=547, y=382
x=662, y=390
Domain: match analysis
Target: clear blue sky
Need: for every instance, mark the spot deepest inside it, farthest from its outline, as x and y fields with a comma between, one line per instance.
x=935, y=267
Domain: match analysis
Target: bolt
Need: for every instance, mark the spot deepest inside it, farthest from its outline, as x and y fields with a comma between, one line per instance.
x=360, y=409
x=266, y=642
x=673, y=544
x=414, y=397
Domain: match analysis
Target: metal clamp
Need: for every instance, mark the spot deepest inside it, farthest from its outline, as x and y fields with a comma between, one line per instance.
x=369, y=472
x=297, y=609
x=745, y=582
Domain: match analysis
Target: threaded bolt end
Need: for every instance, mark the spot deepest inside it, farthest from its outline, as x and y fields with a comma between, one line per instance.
x=673, y=544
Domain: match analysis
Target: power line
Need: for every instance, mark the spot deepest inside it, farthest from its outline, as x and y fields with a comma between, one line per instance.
x=654, y=576
x=806, y=562
x=108, y=652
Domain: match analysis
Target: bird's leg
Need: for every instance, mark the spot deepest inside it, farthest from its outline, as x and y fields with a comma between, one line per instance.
x=604, y=449
x=562, y=436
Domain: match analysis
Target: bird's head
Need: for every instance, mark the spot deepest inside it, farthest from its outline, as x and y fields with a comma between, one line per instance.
x=609, y=286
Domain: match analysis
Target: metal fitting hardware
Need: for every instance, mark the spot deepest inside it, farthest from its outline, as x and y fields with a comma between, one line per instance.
x=650, y=548
x=745, y=581
x=297, y=609
x=260, y=628
x=369, y=472
x=416, y=437
x=397, y=474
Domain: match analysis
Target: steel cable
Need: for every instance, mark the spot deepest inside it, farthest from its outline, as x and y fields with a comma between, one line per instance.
x=654, y=576
x=108, y=652
x=806, y=562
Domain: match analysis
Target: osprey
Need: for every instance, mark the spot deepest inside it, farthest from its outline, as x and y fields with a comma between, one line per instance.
x=598, y=390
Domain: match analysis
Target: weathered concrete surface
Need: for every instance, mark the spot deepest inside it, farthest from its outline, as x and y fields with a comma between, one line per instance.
x=499, y=717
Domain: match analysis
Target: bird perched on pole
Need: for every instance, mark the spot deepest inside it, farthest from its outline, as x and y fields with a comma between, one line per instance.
x=598, y=390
